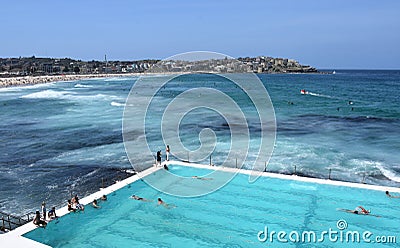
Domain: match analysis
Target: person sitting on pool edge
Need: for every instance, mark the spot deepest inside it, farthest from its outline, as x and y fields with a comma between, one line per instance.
x=37, y=221
x=70, y=208
x=391, y=196
x=52, y=213
x=76, y=204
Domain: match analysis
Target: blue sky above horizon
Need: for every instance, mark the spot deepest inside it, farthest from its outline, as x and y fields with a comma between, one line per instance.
x=338, y=34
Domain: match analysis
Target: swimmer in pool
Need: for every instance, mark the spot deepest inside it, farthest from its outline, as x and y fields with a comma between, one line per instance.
x=361, y=210
x=164, y=204
x=391, y=196
x=135, y=197
x=94, y=204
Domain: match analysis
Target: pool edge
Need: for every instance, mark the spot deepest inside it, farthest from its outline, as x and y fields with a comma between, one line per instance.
x=291, y=177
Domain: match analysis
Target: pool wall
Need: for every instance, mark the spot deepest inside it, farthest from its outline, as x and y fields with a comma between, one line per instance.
x=292, y=177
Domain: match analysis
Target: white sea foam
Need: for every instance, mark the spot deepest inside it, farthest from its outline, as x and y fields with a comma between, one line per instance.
x=365, y=163
x=83, y=86
x=46, y=94
x=53, y=186
x=97, y=96
x=389, y=174
x=117, y=104
x=320, y=95
x=25, y=87
x=119, y=79
x=67, y=95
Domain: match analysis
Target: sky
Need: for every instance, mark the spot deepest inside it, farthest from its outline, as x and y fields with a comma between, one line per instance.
x=338, y=34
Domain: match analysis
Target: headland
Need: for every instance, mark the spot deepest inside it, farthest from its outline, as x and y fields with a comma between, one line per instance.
x=32, y=70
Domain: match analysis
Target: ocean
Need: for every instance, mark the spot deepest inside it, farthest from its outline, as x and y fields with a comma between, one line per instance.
x=65, y=138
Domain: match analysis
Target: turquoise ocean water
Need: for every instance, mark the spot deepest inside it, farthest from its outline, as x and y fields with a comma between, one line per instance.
x=63, y=138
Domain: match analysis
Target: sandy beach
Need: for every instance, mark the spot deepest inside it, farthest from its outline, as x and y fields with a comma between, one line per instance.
x=31, y=80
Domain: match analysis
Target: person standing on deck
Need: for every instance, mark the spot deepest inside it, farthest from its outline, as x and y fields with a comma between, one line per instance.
x=44, y=210
x=158, y=158
x=167, y=151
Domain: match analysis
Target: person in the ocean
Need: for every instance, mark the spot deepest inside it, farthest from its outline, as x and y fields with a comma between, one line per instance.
x=37, y=221
x=391, y=196
x=138, y=198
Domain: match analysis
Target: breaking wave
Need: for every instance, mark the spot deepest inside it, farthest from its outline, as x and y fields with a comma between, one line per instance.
x=47, y=94
x=389, y=174
x=117, y=104
x=83, y=86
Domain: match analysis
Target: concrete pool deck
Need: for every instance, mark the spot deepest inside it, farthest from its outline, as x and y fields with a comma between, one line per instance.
x=15, y=238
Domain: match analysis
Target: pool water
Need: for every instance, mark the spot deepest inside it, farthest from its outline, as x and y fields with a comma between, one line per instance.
x=232, y=216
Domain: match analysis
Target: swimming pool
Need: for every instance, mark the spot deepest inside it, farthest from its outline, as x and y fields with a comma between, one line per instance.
x=237, y=215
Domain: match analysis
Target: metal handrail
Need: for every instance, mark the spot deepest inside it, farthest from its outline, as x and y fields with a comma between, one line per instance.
x=11, y=222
